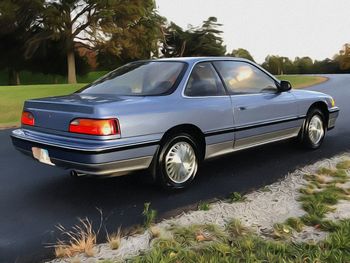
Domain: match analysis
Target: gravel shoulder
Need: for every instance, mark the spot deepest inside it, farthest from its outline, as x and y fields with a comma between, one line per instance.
x=261, y=210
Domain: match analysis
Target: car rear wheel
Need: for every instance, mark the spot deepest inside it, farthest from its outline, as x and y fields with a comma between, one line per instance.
x=314, y=129
x=177, y=163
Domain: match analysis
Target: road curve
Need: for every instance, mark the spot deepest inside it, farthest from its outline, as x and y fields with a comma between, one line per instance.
x=34, y=197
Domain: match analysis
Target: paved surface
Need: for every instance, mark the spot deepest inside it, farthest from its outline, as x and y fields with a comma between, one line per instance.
x=35, y=197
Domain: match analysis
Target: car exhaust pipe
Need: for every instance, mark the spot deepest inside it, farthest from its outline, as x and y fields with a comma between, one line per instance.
x=76, y=174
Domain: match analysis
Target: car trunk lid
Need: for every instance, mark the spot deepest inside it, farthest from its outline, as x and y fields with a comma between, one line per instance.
x=57, y=112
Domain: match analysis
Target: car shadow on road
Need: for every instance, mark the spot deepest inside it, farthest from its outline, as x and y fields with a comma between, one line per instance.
x=122, y=198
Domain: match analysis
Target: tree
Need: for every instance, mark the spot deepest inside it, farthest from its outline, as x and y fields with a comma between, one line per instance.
x=241, y=53
x=288, y=66
x=344, y=57
x=17, y=22
x=274, y=64
x=174, y=41
x=203, y=41
x=135, y=41
x=86, y=22
x=50, y=58
x=304, y=65
x=326, y=66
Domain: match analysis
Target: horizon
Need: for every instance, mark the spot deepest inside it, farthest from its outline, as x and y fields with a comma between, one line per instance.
x=316, y=28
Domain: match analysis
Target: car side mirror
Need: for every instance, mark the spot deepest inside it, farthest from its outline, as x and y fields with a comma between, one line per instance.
x=285, y=86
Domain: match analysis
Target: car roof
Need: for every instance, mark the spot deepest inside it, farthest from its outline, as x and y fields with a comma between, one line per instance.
x=194, y=60
x=198, y=59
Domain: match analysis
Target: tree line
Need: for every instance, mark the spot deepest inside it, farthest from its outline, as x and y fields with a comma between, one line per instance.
x=279, y=65
x=46, y=36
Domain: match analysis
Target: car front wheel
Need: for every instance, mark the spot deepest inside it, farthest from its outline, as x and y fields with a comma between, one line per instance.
x=177, y=162
x=314, y=129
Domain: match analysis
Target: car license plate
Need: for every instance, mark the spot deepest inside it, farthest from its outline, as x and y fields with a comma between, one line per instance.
x=42, y=155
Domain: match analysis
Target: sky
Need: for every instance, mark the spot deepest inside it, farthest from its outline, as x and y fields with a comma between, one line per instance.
x=314, y=28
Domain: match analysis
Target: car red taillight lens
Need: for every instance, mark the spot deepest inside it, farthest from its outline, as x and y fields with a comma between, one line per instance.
x=27, y=118
x=95, y=126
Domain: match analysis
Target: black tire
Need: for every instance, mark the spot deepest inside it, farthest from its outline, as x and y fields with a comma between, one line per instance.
x=305, y=138
x=161, y=173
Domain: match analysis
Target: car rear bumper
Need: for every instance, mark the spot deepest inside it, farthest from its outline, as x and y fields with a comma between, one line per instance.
x=333, y=115
x=116, y=160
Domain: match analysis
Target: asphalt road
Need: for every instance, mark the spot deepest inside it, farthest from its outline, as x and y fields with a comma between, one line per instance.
x=34, y=197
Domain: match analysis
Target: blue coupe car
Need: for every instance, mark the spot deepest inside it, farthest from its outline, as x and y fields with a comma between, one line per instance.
x=168, y=116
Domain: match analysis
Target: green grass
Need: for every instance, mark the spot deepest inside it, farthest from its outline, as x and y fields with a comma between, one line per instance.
x=301, y=81
x=12, y=98
x=248, y=248
x=29, y=78
x=295, y=223
x=236, y=197
x=91, y=76
x=203, y=206
x=344, y=164
x=340, y=173
x=237, y=243
x=317, y=203
x=149, y=215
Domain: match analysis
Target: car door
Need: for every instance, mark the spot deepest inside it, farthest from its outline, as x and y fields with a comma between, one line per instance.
x=210, y=108
x=261, y=112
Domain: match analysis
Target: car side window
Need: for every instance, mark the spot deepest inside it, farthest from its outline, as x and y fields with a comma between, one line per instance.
x=244, y=78
x=204, y=81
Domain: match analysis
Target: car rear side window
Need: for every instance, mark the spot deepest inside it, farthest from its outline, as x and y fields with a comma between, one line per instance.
x=244, y=78
x=204, y=81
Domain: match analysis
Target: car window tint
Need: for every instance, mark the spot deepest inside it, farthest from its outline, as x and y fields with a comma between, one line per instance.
x=138, y=78
x=204, y=81
x=241, y=78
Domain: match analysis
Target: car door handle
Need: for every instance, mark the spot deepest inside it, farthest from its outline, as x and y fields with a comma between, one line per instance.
x=242, y=108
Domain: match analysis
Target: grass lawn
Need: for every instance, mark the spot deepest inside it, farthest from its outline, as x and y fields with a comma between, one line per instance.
x=29, y=78
x=301, y=81
x=12, y=98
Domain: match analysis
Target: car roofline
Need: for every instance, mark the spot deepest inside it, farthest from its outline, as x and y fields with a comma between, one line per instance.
x=195, y=59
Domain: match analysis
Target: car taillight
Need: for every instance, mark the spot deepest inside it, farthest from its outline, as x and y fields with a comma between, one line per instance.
x=95, y=126
x=27, y=118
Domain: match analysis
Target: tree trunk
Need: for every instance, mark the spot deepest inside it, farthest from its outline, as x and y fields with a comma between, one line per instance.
x=72, y=77
x=183, y=47
x=55, y=79
x=18, y=80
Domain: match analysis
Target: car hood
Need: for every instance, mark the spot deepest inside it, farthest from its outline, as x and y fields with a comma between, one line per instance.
x=309, y=93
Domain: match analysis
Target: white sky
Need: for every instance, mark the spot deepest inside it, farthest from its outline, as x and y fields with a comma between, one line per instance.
x=315, y=28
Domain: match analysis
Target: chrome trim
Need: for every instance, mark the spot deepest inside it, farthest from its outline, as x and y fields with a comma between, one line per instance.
x=21, y=135
x=265, y=138
x=333, y=109
x=217, y=149
x=255, y=125
x=333, y=115
x=117, y=168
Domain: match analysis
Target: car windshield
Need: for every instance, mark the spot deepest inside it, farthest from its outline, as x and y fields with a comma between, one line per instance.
x=145, y=78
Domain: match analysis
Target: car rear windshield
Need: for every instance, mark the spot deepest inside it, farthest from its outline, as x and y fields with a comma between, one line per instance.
x=146, y=78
